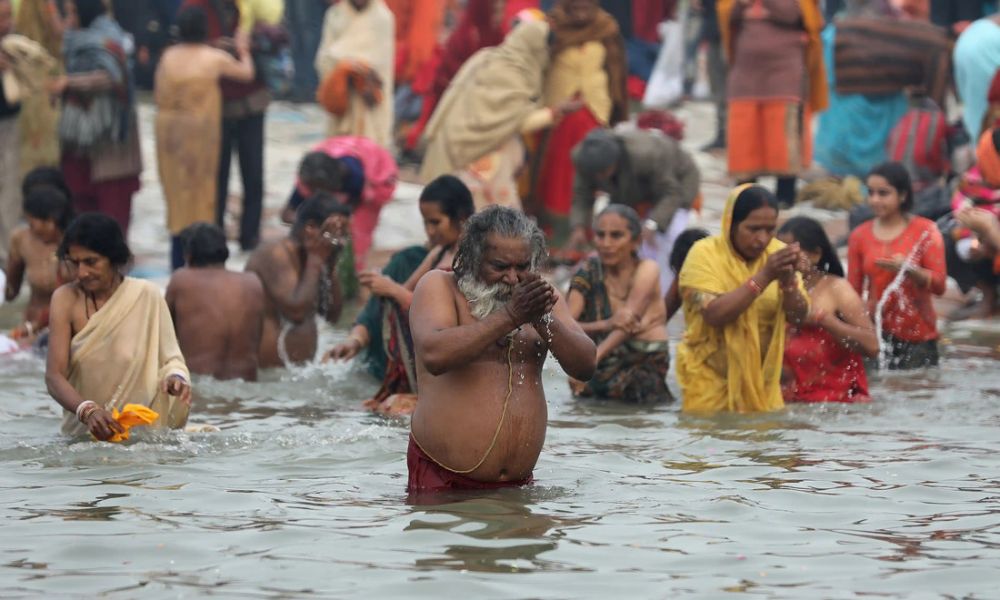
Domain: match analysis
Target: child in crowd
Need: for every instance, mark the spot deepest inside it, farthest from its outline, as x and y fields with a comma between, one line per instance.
x=48, y=211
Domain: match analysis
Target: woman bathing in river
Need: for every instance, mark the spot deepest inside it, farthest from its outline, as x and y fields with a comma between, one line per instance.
x=738, y=288
x=823, y=357
x=616, y=298
x=382, y=328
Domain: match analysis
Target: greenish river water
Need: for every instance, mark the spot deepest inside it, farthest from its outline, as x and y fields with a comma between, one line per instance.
x=302, y=495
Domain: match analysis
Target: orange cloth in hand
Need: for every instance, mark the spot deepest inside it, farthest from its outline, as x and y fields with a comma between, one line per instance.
x=132, y=415
x=349, y=76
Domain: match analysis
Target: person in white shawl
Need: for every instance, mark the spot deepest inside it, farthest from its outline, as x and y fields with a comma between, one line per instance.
x=112, y=342
x=363, y=31
x=475, y=131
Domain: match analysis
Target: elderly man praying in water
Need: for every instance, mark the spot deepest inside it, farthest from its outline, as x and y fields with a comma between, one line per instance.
x=481, y=335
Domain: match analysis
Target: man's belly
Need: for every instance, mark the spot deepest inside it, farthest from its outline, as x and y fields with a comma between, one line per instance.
x=468, y=423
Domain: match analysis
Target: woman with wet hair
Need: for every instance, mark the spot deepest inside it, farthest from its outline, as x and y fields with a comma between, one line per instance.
x=877, y=251
x=615, y=296
x=382, y=329
x=738, y=290
x=823, y=357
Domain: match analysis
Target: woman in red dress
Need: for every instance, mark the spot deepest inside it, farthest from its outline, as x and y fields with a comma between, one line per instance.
x=823, y=358
x=878, y=251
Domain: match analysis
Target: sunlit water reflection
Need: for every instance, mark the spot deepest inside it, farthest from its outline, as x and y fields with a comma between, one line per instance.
x=302, y=494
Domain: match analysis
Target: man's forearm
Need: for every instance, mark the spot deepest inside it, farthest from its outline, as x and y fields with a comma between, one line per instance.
x=448, y=348
x=302, y=302
x=663, y=213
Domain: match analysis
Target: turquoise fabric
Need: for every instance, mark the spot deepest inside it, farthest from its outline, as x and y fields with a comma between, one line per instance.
x=400, y=267
x=854, y=129
x=977, y=58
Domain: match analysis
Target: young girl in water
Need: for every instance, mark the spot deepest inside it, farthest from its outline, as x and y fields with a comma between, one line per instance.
x=878, y=251
x=48, y=211
x=823, y=357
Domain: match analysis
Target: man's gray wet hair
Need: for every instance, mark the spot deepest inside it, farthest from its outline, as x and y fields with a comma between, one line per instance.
x=504, y=222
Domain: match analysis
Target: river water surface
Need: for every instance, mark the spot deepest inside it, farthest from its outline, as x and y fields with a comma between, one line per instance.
x=301, y=494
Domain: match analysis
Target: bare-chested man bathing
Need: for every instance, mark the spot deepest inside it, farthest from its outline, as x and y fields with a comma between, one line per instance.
x=218, y=314
x=481, y=335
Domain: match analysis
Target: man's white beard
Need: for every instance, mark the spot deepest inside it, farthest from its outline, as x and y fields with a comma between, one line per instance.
x=484, y=300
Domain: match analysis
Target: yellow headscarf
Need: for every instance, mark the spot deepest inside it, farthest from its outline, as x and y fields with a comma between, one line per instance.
x=721, y=368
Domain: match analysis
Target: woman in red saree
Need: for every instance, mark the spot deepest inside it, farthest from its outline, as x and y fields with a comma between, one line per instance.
x=824, y=357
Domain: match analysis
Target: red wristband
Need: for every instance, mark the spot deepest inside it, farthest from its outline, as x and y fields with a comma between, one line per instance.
x=754, y=287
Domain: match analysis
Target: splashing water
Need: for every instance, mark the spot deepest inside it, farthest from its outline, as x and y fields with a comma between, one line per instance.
x=894, y=288
x=322, y=307
x=286, y=326
x=547, y=322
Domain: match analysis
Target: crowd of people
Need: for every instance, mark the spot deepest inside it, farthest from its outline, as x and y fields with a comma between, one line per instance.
x=523, y=117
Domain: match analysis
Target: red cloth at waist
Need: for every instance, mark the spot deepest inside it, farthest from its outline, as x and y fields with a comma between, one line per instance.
x=428, y=476
x=822, y=370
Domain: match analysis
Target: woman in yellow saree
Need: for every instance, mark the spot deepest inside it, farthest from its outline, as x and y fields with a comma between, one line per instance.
x=738, y=289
